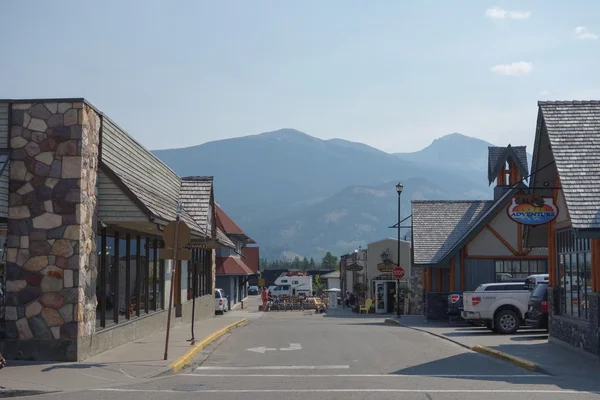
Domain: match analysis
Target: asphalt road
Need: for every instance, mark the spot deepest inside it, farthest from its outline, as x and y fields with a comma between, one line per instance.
x=293, y=356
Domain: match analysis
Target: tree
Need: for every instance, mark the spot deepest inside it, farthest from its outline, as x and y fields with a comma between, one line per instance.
x=311, y=264
x=305, y=264
x=330, y=261
x=318, y=286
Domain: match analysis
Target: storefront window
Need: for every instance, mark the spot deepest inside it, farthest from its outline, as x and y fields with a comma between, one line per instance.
x=519, y=269
x=574, y=273
x=129, y=278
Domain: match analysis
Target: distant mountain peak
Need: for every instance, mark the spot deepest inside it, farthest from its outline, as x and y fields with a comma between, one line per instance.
x=455, y=137
x=285, y=133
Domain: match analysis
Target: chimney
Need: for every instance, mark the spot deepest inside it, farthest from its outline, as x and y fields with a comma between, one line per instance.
x=507, y=166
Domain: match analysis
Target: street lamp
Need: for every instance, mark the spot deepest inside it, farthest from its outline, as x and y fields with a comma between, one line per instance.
x=399, y=188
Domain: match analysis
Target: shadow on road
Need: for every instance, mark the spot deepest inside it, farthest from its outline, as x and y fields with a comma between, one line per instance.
x=474, y=366
x=73, y=366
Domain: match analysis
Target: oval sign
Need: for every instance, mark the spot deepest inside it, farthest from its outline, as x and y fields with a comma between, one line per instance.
x=532, y=210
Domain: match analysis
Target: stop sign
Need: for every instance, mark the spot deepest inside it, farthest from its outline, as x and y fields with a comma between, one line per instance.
x=398, y=273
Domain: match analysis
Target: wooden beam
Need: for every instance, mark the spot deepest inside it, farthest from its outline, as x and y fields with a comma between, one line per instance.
x=506, y=258
x=428, y=279
x=595, y=247
x=463, y=253
x=551, y=255
x=501, y=239
x=439, y=279
x=452, y=274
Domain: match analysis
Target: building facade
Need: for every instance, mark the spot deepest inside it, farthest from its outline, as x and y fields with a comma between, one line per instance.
x=233, y=265
x=461, y=244
x=566, y=168
x=83, y=206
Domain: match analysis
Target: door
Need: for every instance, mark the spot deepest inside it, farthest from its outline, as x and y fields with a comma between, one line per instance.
x=381, y=300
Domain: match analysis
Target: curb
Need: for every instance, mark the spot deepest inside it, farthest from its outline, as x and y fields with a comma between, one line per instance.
x=185, y=359
x=518, y=361
x=392, y=321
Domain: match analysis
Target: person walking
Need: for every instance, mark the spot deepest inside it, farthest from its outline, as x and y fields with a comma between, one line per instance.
x=264, y=298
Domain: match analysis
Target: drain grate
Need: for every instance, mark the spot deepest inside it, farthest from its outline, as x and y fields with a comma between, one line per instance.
x=189, y=388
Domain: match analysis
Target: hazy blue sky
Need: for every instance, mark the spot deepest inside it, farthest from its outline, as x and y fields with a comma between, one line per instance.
x=393, y=74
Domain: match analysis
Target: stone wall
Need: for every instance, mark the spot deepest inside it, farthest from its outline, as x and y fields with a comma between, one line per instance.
x=416, y=295
x=582, y=334
x=51, y=262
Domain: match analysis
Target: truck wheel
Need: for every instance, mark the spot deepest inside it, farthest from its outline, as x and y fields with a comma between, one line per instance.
x=506, y=322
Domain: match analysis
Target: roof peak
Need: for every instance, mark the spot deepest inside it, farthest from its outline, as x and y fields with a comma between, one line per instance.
x=198, y=178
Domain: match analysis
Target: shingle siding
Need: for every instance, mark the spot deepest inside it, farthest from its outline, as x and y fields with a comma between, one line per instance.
x=573, y=128
x=497, y=154
x=114, y=204
x=438, y=225
x=196, y=195
x=4, y=133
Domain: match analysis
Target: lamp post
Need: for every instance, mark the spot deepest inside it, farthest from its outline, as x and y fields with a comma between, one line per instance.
x=399, y=188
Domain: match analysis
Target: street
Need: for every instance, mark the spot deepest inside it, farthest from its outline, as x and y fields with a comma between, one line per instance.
x=297, y=355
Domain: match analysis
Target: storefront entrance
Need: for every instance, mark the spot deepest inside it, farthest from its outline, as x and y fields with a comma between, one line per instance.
x=384, y=295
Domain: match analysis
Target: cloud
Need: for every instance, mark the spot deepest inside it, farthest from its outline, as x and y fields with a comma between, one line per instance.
x=499, y=13
x=581, y=32
x=544, y=92
x=514, y=69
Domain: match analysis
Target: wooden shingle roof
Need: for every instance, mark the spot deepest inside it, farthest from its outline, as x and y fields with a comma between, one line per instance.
x=154, y=186
x=573, y=129
x=497, y=156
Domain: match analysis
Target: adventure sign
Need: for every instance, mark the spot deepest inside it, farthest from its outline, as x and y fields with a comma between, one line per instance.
x=531, y=209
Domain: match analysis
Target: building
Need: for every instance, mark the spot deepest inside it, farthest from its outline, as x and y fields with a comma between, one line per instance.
x=462, y=244
x=566, y=170
x=333, y=280
x=353, y=272
x=382, y=286
x=82, y=209
x=233, y=272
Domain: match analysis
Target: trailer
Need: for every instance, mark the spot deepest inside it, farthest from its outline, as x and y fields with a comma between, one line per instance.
x=292, y=284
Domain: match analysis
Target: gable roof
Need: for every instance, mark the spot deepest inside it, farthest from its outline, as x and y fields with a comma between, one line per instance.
x=227, y=225
x=224, y=240
x=232, y=266
x=439, y=224
x=497, y=156
x=332, y=275
x=151, y=184
x=573, y=129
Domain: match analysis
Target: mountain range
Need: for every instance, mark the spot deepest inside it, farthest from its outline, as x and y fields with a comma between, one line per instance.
x=298, y=195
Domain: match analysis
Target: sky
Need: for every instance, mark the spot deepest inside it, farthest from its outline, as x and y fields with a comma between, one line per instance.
x=394, y=74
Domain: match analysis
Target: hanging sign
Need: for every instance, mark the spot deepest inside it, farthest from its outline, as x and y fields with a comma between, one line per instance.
x=529, y=209
x=386, y=266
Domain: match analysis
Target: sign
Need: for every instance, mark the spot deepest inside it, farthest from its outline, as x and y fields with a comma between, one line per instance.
x=354, y=267
x=529, y=209
x=183, y=236
x=169, y=254
x=398, y=272
x=261, y=282
x=386, y=266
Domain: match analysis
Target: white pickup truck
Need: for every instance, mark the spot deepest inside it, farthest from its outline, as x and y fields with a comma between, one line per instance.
x=501, y=306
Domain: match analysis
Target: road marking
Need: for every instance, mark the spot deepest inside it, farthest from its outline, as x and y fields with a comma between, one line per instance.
x=558, y=391
x=271, y=367
x=263, y=349
x=362, y=376
x=293, y=346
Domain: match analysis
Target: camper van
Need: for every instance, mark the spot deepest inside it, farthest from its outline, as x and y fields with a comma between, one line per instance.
x=292, y=284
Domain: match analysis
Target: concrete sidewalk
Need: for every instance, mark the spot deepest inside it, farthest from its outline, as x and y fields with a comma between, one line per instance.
x=137, y=360
x=528, y=344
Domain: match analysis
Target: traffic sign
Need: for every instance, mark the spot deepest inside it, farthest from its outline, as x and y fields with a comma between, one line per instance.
x=183, y=236
x=398, y=272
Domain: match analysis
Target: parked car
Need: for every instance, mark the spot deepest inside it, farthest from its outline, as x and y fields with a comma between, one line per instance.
x=537, y=313
x=221, y=302
x=253, y=291
x=500, y=307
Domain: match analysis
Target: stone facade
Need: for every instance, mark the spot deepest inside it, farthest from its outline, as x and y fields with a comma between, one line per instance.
x=51, y=245
x=415, y=306
x=583, y=334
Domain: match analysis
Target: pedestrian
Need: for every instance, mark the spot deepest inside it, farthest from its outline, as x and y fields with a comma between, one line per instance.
x=265, y=298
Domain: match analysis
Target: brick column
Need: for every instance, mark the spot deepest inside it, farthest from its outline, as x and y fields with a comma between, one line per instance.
x=51, y=254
